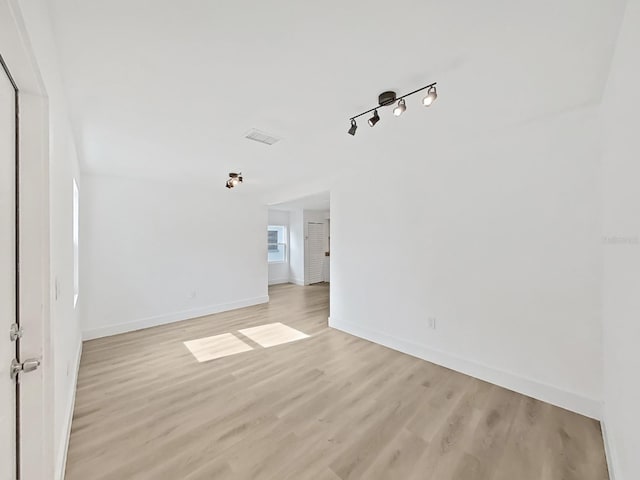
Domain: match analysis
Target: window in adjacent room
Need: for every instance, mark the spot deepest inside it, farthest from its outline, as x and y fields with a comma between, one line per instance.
x=277, y=243
x=76, y=225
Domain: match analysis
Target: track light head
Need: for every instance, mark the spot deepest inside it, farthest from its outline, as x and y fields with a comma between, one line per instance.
x=234, y=179
x=354, y=127
x=400, y=109
x=431, y=97
x=374, y=119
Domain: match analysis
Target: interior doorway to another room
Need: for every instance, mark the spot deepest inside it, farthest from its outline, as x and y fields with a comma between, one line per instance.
x=299, y=240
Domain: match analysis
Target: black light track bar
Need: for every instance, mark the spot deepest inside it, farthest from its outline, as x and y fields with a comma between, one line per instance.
x=395, y=100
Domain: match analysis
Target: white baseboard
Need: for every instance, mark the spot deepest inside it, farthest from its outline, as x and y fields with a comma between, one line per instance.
x=296, y=281
x=278, y=281
x=608, y=448
x=61, y=464
x=170, y=318
x=547, y=393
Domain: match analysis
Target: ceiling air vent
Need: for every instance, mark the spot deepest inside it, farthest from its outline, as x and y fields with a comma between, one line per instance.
x=262, y=137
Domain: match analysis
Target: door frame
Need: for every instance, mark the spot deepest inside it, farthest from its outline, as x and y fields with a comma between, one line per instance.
x=12, y=344
x=36, y=388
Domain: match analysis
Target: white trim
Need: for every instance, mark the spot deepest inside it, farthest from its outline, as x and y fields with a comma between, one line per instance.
x=547, y=393
x=297, y=281
x=170, y=318
x=608, y=449
x=277, y=281
x=66, y=433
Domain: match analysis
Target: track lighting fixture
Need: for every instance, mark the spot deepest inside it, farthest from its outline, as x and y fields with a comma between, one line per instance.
x=399, y=110
x=354, y=127
x=234, y=179
x=374, y=119
x=431, y=96
x=389, y=98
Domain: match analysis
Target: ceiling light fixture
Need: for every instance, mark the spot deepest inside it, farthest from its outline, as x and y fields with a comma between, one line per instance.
x=354, y=127
x=389, y=98
x=400, y=109
x=374, y=119
x=234, y=179
x=431, y=96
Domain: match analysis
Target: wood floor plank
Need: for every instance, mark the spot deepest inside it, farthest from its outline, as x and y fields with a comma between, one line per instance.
x=327, y=407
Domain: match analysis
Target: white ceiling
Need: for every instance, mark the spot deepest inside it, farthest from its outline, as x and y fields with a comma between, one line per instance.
x=317, y=201
x=161, y=88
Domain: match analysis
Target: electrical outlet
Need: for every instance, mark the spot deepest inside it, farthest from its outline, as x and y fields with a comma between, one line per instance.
x=432, y=322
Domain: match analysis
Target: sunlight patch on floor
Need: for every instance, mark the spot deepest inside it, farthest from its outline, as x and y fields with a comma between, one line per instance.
x=218, y=346
x=273, y=334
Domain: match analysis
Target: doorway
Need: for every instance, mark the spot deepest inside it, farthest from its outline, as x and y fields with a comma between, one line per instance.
x=9, y=344
x=305, y=223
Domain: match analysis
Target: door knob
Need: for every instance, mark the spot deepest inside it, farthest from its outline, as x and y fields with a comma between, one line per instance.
x=29, y=365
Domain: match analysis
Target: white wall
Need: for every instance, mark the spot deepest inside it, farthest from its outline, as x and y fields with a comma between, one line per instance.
x=621, y=167
x=65, y=321
x=279, y=272
x=157, y=252
x=498, y=239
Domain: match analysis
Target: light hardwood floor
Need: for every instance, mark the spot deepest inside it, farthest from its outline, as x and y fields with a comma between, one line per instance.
x=327, y=407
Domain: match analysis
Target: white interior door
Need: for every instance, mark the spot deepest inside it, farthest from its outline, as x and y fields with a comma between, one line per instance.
x=315, y=248
x=7, y=276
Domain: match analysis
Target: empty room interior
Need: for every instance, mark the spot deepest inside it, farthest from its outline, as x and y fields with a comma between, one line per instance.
x=319, y=240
